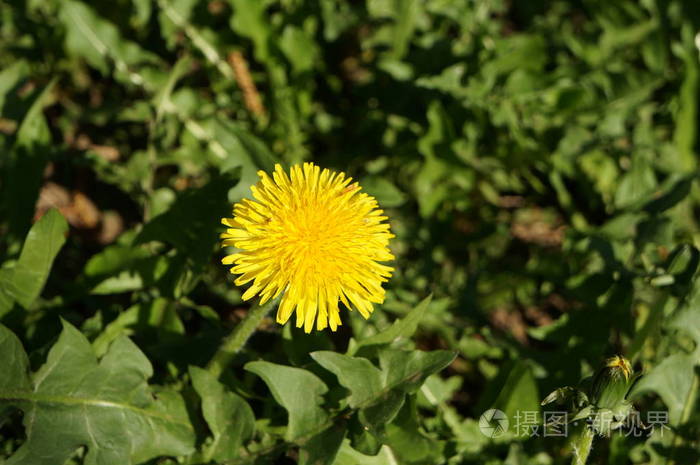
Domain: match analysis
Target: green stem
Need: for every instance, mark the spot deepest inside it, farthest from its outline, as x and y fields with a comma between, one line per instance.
x=582, y=446
x=237, y=338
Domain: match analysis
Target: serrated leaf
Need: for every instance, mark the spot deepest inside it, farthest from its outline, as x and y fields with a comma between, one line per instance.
x=299, y=391
x=229, y=417
x=74, y=401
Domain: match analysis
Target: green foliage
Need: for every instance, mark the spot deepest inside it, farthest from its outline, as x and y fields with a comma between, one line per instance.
x=537, y=161
x=228, y=416
x=73, y=401
x=23, y=282
x=299, y=392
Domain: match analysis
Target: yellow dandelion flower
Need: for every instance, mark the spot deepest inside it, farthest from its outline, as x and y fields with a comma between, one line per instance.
x=316, y=238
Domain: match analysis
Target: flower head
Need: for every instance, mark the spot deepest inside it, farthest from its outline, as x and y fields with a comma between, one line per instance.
x=316, y=238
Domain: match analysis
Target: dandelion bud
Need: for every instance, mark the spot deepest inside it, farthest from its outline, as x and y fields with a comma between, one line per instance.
x=611, y=383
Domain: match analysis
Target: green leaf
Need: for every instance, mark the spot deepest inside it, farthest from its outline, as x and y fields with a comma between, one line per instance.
x=408, y=370
x=437, y=390
x=349, y=456
x=157, y=316
x=323, y=448
x=162, y=98
x=678, y=191
x=175, y=15
x=73, y=401
x=142, y=10
x=229, y=417
x=406, y=439
x=41, y=246
x=380, y=394
x=15, y=367
x=688, y=321
x=300, y=49
x=386, y=193
x=10, y=78
x=364, y=438
x=402, y=328
x=254, y=148
x=24, y=173
x=401, y=370
x=191, y=223
x=100, y=43
x=358, y=375
x=519, y=393
x=636, y=185
x=6, y=299
x=382, y=411
x=243, y=150
x=114, y=258
x=337, y=16
x=672, y=380
x=123, y=282
x=250, y=20
x=448, y=81
x=685, y=135
x=404, y=13
x=299, y=391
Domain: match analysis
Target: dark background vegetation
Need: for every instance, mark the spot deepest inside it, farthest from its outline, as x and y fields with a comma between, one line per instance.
x=538, y=161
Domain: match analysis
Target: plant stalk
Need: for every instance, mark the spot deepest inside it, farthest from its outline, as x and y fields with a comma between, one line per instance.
x=237, y=338
x=581, y=445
